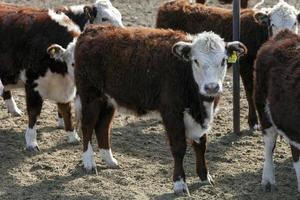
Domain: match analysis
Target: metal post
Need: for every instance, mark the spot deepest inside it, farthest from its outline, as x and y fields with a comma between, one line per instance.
x=236, y=69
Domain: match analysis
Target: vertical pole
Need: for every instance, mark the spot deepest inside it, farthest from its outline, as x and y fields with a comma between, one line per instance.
x=236, y=69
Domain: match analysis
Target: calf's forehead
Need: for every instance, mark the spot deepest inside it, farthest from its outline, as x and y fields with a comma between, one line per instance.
x=209, y=48
x=283, y=13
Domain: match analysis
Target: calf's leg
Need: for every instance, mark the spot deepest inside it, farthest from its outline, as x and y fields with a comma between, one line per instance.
x=103, y=133
x=60, y=120
x=34, y=104
x=268, y=176
x=176, y=133
x=296, y=155
x=65, y=111
x=11, y=104
x=201, y=166
x=247, y=78
x=90, y=113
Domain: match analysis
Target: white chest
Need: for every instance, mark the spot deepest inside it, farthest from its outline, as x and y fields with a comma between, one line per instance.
x=194, y=130
x=56, y=87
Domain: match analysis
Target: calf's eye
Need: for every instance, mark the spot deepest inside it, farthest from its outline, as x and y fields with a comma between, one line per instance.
x=104, y=19
x=223, y=62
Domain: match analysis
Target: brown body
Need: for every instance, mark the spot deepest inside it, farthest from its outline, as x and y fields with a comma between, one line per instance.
x=196, y=18
x=277, y=89
x=136, y=68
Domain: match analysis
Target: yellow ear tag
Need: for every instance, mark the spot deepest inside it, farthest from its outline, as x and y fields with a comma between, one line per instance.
x=52, y=51
x=232, y=58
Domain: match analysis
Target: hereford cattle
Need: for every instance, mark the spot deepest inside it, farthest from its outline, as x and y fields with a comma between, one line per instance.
x=256, y=26
x=143, y=70
x=102, y=11
x=27, y=32
x=277, y=99
x=244, y=3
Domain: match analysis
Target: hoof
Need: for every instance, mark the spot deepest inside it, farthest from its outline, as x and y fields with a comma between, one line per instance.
x=33, y=148
x=89, y=163
x=181, y=188
x=113, y=164
x=92, y=170
x=255, y=127
x=269, y=187
x=16, y=113
x=209, y=180
x=60, y=123
x=107, y=157
x=73, y=137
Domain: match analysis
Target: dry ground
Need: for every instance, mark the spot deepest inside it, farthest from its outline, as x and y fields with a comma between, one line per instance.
x=140, y=147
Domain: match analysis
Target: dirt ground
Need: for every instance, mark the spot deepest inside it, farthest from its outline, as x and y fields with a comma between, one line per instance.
x=140, y=147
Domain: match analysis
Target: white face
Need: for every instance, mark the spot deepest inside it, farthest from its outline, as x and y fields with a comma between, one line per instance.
x=283, y=16
x=208, y=56
x=209, y=69
x=107, y=13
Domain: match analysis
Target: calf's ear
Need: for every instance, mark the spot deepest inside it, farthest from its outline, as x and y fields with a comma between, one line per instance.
x=182, y=50
x=56, y=52
x=237, y=47
x=90, y=13
x=262, y=18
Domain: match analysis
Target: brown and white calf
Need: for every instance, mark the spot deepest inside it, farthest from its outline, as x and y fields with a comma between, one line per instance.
x=276, y=97
x=145, y=70
x=102, y=11
x=256, y=26
x=27, y=33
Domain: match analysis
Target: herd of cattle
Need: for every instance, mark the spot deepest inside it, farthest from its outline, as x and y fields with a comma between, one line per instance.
x=175, y=70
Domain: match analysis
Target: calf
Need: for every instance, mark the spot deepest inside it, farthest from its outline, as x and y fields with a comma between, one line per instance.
x=256, y=26
x=276, y=98
x=102, y=11
x=26, y=33
x=24, y=61
x=151, y=70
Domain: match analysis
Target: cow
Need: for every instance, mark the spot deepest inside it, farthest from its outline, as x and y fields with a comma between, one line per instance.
x=27, y=33
x=256, y=27
x=102, y=11
x=144, y=70
x=244, y=3
x=276, y=97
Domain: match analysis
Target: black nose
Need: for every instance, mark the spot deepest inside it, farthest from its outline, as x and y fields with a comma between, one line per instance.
x=211, y=88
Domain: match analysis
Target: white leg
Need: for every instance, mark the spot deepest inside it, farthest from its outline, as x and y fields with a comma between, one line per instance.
x=12, y=107
x=30, y=137
x=268, y=176
x=209, y=180
x=107, y=156
x=180, y=187
x=1, y=88
x=60, y=122
x=88, y=159
x=297, y=169
x=73, y=137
